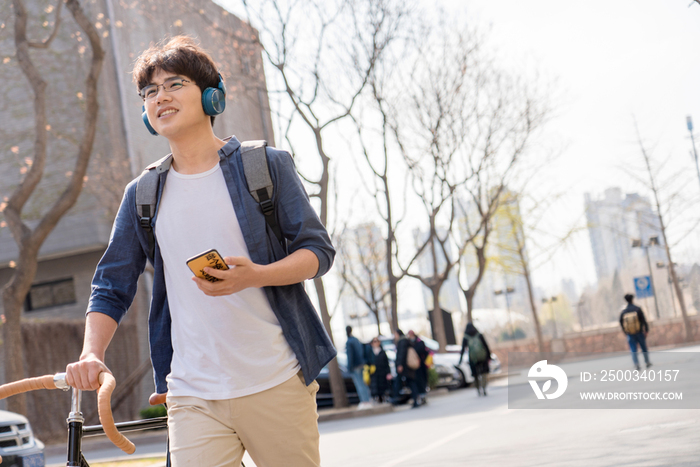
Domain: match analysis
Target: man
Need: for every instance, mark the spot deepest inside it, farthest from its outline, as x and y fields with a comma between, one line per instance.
x=237, y=357
x=636, y=328
x=356, y=365
x=405, y=374
x=422, y=372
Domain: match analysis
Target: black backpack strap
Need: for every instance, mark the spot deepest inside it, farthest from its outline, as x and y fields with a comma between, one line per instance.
x=257, y=175
x=147, y=198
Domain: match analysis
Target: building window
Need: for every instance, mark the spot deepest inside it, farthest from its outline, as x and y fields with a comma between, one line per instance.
x=50, y=294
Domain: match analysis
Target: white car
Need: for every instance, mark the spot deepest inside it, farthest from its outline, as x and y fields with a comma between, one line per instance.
x=18, y=446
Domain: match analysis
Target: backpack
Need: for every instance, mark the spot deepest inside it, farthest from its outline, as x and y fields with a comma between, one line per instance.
x=257, y=175
x=630, y=322
x=412, y=358
x=477, y=351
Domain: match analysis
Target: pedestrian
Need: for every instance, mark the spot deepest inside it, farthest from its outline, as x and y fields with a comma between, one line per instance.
x=356, y=365
x=235, y=359
x=479, y=356
x=381, y=378
x=405, y=374
x=636, y=328
x=422, y=371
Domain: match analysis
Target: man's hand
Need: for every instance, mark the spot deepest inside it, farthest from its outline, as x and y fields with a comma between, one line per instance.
x=84, y=374
x=243, y=273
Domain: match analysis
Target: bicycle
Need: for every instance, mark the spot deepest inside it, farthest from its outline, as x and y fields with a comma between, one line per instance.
x=75, y=421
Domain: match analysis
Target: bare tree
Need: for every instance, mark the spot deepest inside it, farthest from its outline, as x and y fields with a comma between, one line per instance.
x=315, y=80
x=665, y=203
x=362, y=256
x=432, y=131
x=29, y=239
x=378, y=151
x=519, y=229
x=506, y=119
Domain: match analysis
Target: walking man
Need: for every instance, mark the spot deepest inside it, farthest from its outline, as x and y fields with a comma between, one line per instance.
x=636, y=328
x=356, y=365
x=236, y=359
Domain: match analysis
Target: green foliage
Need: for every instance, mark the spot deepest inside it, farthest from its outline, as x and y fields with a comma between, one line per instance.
x=154, y=412
x=433, y=378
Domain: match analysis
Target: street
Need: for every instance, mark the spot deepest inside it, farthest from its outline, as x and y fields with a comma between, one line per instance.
x=459, y=428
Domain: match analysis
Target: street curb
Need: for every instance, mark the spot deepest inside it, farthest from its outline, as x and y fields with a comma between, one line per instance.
x=327, y=415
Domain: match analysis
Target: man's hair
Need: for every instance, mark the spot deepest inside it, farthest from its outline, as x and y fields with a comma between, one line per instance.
x=348, y=330
x=180, y=55
x=399, y=332
x=629, y=297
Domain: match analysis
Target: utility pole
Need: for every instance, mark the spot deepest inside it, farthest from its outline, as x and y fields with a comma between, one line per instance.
x=554, y=318
x=506, y=291
x=689, y=123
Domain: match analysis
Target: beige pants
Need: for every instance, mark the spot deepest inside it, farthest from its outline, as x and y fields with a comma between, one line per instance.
x=278, y=427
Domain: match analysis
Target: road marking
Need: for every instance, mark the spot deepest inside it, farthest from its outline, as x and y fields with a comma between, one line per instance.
x=430, y=447
x=657, y=426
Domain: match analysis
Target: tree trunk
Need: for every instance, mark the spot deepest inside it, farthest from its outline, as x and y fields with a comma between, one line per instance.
x=13, y=297
x=679, y=293
x=340, y=396
x=438, y=322
x=469, y=297
x=535, y=319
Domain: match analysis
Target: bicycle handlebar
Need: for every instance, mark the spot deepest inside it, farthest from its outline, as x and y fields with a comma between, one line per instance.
x=104, y=394
x=104, y=411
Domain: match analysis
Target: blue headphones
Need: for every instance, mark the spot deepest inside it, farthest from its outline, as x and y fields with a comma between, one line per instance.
x=213, y=103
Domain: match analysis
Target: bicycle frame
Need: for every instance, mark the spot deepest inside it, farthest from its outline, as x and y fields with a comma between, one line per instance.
x=76, y=430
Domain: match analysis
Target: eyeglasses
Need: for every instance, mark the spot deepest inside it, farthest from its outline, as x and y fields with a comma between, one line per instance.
x=170, y=85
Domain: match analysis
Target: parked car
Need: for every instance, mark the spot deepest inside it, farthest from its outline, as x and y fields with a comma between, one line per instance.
x=462, y=374
x=324, y=396
x=18, y=446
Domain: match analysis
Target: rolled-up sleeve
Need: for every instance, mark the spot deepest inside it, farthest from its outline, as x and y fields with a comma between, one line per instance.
x=298, y=220
x=116, y=277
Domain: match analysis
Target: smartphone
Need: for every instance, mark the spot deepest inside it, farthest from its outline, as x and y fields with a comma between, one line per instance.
x=210, y=258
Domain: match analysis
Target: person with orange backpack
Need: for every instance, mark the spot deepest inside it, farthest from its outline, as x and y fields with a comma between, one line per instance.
x=636, y=328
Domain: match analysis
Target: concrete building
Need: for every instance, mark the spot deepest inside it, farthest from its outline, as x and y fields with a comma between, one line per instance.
x=123, y=146
x=614, y=222
x=626, y=241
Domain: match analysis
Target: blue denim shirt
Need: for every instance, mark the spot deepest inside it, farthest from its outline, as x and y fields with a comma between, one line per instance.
x=115, y=280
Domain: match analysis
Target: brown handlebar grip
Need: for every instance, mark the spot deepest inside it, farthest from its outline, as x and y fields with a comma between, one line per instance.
x=104, y=410
x=28, y=384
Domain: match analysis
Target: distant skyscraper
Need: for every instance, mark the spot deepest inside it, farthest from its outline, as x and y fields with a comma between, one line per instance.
x=613, y=223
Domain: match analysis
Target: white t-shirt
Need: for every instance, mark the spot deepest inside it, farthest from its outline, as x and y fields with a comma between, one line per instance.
x=223, y=347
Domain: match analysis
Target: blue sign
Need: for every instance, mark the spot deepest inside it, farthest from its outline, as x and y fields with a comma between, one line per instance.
x=642, y=287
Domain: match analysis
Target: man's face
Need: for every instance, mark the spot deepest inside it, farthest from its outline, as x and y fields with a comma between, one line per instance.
x=174, y=113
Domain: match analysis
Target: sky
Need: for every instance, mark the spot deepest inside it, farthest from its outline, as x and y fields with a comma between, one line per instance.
x=609, y=64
